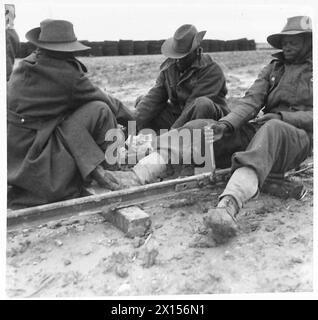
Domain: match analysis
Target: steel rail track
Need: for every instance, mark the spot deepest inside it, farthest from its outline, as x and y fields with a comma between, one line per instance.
x=108, y=202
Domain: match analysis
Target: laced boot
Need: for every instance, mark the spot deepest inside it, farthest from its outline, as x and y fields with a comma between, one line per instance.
x=222, y=219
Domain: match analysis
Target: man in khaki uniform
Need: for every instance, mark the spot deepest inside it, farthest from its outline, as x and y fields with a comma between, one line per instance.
x=190, y=85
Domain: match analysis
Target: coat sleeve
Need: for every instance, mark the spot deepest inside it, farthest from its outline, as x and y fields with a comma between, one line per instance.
x=152, y=103
x=210, y=83
x=12, y=48
x=253, y=101
x=300, y=119
x=84, y=91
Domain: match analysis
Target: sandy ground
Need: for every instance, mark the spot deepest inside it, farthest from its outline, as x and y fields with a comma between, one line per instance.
x=90, y=257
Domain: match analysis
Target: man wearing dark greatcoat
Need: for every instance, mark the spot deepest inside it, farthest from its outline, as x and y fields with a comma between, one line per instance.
x=57, y=120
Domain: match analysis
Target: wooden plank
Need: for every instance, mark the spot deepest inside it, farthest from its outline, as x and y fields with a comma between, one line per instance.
x=107, y=202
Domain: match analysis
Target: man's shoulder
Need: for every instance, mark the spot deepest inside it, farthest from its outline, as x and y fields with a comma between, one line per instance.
x=58, y=70
x=207, y=61
x=166, y=64
x=71, y=65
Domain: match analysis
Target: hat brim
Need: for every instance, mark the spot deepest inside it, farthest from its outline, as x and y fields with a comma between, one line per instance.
x=275, y=39
x=168, y=51
x=33, y=36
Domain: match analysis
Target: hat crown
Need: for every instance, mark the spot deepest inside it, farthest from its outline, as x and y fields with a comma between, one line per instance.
x=183, y=38
x=295, y=25
x=298, y=23
x=57, y=31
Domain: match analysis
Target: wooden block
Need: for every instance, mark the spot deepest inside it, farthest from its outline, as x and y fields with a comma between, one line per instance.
x=131, y=220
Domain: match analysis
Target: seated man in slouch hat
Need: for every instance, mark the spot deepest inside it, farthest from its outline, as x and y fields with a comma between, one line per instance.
x=57, y=120
x=190, y=85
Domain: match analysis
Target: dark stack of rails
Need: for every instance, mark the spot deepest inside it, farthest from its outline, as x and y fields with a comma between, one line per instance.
x=251, y=45
x=154, y=46
x=96, y=49
x=130, y=47
x=126, y=47
x=110, y=48
x=205, y=45
x=140, y=47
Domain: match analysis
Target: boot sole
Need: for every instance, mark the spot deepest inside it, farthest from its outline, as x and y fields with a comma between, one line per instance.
x=221, y=224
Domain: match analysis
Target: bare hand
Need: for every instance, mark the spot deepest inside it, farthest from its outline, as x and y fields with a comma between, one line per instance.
x=268, y=116
x=215, y=132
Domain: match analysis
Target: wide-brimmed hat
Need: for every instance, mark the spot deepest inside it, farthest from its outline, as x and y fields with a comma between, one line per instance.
x=55, y=35
x=294, y=25
x=185, y=40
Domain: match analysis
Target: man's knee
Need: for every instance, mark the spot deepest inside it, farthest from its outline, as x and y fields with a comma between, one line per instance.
x=205, y=108
x=98, y=109
x=204, y=103
x=277, y=128
x=94, y=114
x=274, y=124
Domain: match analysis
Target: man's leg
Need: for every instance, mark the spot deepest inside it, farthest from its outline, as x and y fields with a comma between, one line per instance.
x=163, y=120
x=201, y=108
x=180, y=146
x=84, y=133
x=276, y=147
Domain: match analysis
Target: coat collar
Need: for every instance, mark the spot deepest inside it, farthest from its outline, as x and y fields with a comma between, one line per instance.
x=69, y=58
x=280, y=57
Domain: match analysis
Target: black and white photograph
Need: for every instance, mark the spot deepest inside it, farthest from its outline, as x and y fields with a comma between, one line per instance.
x=158, y=149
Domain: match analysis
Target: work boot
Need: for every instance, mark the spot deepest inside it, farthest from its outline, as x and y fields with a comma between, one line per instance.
x=222, y=219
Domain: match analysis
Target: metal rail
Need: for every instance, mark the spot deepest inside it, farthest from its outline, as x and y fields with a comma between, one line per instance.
x=107, y=202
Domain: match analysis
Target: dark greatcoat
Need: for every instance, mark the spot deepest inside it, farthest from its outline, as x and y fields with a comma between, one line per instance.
x=43, y=91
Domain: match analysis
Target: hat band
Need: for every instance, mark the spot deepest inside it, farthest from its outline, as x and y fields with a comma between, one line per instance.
x=57, y=41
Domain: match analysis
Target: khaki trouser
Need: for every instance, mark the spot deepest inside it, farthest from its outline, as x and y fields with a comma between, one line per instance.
x=274, y=147
x=172, y=118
